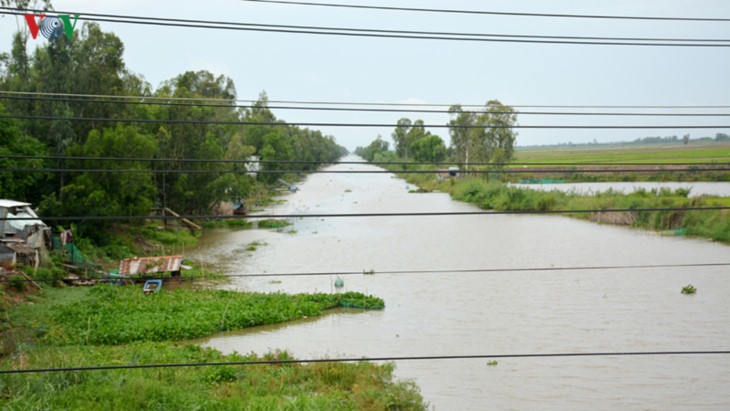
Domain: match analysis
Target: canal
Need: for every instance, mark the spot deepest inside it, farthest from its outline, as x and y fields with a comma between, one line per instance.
x=515, y=312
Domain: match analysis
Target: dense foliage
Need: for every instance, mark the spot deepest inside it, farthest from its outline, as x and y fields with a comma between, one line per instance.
x=483, y=137
x=476, y=137
x=92, y=64
x=325, y=386
x=713, y=224
x=77, y=326
x=372, y=151
x=412, y=140
x=116, y=315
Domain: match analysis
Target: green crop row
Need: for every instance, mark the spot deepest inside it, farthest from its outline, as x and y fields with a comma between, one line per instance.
x=693, y=153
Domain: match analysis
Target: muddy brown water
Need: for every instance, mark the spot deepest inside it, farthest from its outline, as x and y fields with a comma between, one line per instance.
x=440, y=313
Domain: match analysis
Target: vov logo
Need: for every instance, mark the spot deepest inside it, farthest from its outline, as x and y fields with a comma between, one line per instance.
x=51, y=27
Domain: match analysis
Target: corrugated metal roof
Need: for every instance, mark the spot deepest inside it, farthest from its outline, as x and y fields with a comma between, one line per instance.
x=12, y=203
x=142, y=265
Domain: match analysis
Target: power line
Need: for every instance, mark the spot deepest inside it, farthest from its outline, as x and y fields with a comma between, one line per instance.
x=414, y=163
x=692, y=169
x=369, y=215
x=359, y=125
x=403, y=272
x=379, y=33
x=365, y=359
x=361, y=103
x=361, y=109
x=492, y=13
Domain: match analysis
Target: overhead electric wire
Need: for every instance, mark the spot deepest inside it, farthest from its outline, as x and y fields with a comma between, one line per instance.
x=492, y=13
x=359, y=109
x=358, y=125
x=410, y=358
x=381, y=33
x=376, y=163
x=369, y=215
x=365, y=359
x=362, y=103
x=692, y=169
x=403, y=272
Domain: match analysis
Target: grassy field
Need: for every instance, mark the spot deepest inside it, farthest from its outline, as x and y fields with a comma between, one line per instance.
x=659, y=153
x=112, y=325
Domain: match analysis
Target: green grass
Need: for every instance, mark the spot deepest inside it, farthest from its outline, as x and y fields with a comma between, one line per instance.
x=108, y=314
x=712, y=224
x=111, y=325
x=692, y=153
x=134, y=240
x=335, y=386
x=238, y=223
x=718, y=153
x=273, y=223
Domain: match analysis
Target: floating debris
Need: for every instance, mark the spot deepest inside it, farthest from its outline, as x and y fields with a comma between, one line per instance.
x=152, y=286
x=689, y=289
x=151, y=265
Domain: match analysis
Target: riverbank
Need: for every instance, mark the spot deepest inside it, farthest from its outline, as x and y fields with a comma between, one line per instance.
x=110, y=325
x=711, y=224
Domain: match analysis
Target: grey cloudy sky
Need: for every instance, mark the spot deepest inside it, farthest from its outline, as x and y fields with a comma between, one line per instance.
x=334, y=68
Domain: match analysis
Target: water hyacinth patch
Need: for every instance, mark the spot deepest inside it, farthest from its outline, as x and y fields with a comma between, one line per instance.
x=116, y=315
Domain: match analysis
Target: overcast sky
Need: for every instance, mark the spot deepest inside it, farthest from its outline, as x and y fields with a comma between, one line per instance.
x=334, y=68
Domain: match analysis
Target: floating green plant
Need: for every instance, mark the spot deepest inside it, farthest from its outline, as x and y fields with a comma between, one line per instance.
x=689, y=289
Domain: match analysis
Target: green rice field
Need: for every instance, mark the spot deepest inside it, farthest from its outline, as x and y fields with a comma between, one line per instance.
x=655, y=153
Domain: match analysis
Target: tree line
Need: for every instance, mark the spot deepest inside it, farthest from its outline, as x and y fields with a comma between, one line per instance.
x=484, y=136
x=92, y=63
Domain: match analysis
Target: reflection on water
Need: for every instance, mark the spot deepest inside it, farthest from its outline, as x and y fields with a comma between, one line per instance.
x=492, y=313
x=697, y=188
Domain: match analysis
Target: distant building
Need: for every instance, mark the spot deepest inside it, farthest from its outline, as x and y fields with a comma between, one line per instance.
x=253, y=166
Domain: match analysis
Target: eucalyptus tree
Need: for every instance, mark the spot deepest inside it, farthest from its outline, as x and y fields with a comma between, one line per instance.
x=486, y=136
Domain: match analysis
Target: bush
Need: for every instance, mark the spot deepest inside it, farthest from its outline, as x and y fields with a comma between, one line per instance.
x=17, y=282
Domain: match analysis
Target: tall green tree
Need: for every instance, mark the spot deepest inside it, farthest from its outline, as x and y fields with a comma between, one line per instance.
x=499, y=137
x=21, y=186
x=375, y=147
x=485, y=136
x=401, y=137
x=92, y=63
x=462, y=135
x=108, y=193
x=194, y=192
x=98, y=69
x=430, y=149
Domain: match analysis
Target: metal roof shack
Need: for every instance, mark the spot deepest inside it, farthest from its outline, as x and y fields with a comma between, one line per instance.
x=23, y=235
x=151, y=265
x=16, y=217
